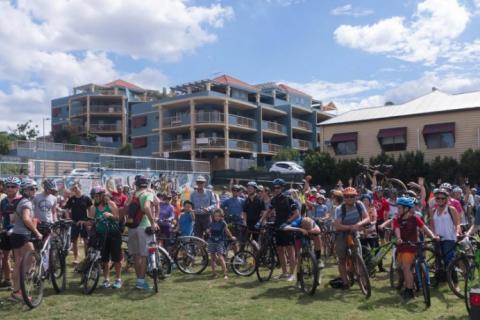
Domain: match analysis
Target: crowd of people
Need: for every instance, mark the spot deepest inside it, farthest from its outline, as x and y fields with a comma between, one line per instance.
x=236, y=212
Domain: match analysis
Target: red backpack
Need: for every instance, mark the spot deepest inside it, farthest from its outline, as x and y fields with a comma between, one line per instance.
x=135, y=213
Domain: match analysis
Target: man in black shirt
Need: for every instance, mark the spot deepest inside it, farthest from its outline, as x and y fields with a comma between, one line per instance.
x=77, y=207
x=253, y=208
x=285, y=212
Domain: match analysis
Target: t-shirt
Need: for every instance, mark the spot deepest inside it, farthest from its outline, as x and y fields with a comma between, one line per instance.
x=233, y=208
x=166, y=213
x=383, y=208
x=253, y=208
x=120, y=199
x=320, y=211
x=408, y=231
x=7, y=208
x=144, y=196
x=217, y=231
x=284, y=206
x=185, y=222
x=79, y=207
x=352, y=215
x=19, y=227
x=43, y=205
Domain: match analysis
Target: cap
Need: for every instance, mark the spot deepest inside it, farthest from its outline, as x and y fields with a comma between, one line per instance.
x=201, y=179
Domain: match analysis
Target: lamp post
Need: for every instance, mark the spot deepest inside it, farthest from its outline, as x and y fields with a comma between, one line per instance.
x=44, y=145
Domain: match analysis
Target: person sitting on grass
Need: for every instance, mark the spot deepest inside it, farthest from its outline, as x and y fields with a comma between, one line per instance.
x=216, y=242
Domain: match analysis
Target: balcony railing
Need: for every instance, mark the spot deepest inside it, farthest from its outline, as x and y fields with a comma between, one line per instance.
x=274, y=127
x=94, y=127
x=105, y=109
x=301, y=144
x=61, y=147
x=177, y=145
x=271, y=148
x=209, y=142
x=176, y=121
x=241, y=121
x=242, y=145
x=210, y=117
x=297, y=123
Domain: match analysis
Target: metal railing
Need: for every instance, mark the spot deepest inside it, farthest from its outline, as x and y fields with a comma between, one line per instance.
x=51, y=146
x=153, y=164
x=105, y=108
x=177, y=145
x=210, y=117
x=241, y=121
x=302, y=124
x=209, y=143
x=271, y=148
x=96, y=127
x=274, y=127
x=301, y=144
x=242, y=145
x=176, y=121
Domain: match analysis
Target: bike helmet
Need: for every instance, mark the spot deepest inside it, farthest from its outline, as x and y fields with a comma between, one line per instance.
x=406, y=202
x=28, y=183
x=13, y=181
x=278, y=182
x=457, y=189
x=441, y=191
x=141, y=181
x=252, y=184
x=366, y=196
x=350, y=191
x=322, y=191
x=336, y=193
x=447, y=186
x=49, y=185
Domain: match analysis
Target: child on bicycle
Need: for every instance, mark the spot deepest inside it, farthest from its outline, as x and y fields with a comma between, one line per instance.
x=405, y=226
x=186, y=220
x=216, y=242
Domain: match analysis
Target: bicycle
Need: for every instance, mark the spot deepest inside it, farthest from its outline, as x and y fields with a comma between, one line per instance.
x=63, y=230
x=473, y=274
x=356, y=269
x=39, y=265
x=373, y=256
x=327, y=238
x=361, y=180
x=457, y=269
x=266, y=258
x=158, y=260
x=92, y=266
x=241, y=262
x=308, y=271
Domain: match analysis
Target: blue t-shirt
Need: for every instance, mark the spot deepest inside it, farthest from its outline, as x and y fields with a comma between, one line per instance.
x=320, y=210
x=217, y=231
x=233, y=207
x=186, y=224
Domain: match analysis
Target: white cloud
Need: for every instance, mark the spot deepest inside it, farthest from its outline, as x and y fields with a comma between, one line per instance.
x=148, y=78
x=325, y=90
x=429, y=34
x=349, y=10
x=284, y=3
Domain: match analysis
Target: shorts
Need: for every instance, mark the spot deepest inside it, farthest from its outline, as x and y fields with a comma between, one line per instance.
x=341, y=245
x=77, y=231
x=18, y=240
x=406, y=257
x=5, y=244
x=112, y=247
x=216, y=247
x=298, y=245
x=165, y=231
x=284, y=239
x=138, y=241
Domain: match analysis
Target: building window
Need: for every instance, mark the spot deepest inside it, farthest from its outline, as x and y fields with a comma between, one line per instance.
x=140, y=121
x=140, y=142
x=344, y=143
x=56, y=112
x=393, y=139
x=441, y=135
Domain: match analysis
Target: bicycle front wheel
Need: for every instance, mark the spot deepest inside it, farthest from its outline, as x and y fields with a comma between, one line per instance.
x=155, y=279
x=191, y=258
x=469, y=283
x=361, y=273
x=243, y=263
x=164, y=264
x=31, y=279
x=308, y=273
x=265, y=263
x=90, y=277
x=395, y=275
x=58, y=268
x=457, y=272
x=425, y=282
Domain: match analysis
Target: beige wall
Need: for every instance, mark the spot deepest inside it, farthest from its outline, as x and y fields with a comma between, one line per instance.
x=467, y=124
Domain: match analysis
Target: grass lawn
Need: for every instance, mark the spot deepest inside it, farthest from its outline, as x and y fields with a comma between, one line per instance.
x=200, y=297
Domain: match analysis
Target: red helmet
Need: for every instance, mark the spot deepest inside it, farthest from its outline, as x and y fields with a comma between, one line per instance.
x=349, y=191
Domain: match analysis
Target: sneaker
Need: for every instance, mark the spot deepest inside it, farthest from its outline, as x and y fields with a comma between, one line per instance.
x=281, y=276
x=321, y=264
x=291, y=278
x=298, y=285
x=142, y=286
x=15, y=297
x=105, y=284
x=117, y=284
x=5, y=284
x=225, y=277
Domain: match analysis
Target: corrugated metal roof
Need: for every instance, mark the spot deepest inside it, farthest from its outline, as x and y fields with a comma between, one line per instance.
x=435, y=101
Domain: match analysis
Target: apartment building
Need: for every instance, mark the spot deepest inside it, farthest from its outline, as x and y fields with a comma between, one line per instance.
x=100, y=112
x=438, y=124
x=232, y=124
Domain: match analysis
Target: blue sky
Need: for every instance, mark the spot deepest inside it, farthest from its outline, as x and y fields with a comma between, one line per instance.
x=355, y=53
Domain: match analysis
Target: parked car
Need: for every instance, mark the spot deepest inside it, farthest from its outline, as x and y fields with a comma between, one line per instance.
x=287, y=167
x=80, y=173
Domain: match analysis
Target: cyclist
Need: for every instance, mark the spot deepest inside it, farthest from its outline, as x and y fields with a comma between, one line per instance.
x=285, y=211
x=166, y=215
x=405, y=226
x=350, y=217
x=186, y=220
x=7, y=210
x=253, y=208
x=204, y=202
x=216, y=242
x=119, y=197
x=233, y=209
x=383, y=209
x=45, y=203
x=138, y=239
x=77, y=208
x=23, y=229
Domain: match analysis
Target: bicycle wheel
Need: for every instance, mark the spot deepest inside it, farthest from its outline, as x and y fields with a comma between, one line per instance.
x=31, y=279
x=155, y=279
x=191, y=258
x=164, y=264
x=395, y=275
x=308, y=272
x=368, y=259
x=425, y=283
x=58, y=273
x=243, y=263
x=361, y=272
x=393, y=183
x=90, y=277
x=430, y=259
x=265, y=263
x=470, y=281
x=458, y=268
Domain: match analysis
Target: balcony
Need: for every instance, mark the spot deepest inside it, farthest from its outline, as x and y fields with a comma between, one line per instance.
x=177, y=145
x=176, y=121
x=242, y=145
x=105, y=128
x=60, y=147
x=301, y=144
x=242, y=122
x=209, y=143
x=210, y=118
x=271, y=148
x=106, y=109
x=301, y=124
x=273, y=127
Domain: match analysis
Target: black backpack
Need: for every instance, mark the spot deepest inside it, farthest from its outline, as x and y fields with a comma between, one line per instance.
x=358, y=205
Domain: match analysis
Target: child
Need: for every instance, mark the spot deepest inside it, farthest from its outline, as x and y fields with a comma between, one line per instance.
x=216, y=241
x=186, y=220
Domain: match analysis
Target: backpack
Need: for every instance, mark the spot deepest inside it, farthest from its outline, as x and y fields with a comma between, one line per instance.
x=135, y=213
x=359, y=210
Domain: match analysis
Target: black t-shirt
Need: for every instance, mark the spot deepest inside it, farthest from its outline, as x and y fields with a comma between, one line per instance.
x=284, y=206
x=79, y=207
x=253, y=209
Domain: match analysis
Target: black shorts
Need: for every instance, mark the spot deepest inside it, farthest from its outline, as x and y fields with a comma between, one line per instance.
x=78, y=231
x=284, y=239
x=5, y=244
x=112, y=248
x=18, y=240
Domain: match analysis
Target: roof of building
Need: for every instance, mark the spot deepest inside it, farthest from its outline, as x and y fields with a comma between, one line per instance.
x=126, y=84
x=226, y=79
x=435, y=101
x=292, y=90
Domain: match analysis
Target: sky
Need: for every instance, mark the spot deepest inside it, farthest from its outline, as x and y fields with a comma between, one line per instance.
x=355, y=53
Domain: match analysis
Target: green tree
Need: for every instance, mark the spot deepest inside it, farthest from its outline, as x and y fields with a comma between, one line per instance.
x=287, y=154
x=321, y=166
x=445, y=168
x=469, y=161
x=410, y=165
x=347, y=169
x=4, y=144
x=382, y=158
x=66, y=135
x=25, y=131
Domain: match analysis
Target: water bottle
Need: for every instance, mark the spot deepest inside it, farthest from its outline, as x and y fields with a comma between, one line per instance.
x=45, y=260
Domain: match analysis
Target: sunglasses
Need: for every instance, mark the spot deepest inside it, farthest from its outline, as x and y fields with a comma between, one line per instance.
x=440, y=198
x=349, y=197
x=32, y=189
x=11, y=187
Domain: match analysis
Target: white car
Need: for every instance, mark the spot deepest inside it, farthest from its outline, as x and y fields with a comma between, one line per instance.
x=80, y=173
x=287, y=167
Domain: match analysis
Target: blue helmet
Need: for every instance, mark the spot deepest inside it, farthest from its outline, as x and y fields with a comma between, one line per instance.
x=406, y=202
x=278, y=182
x=366, y=196
x=252, y=184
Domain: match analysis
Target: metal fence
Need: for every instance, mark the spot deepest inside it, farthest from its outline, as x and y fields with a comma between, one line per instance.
x=39, y=145
x=8, y=168
x=153, y=164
